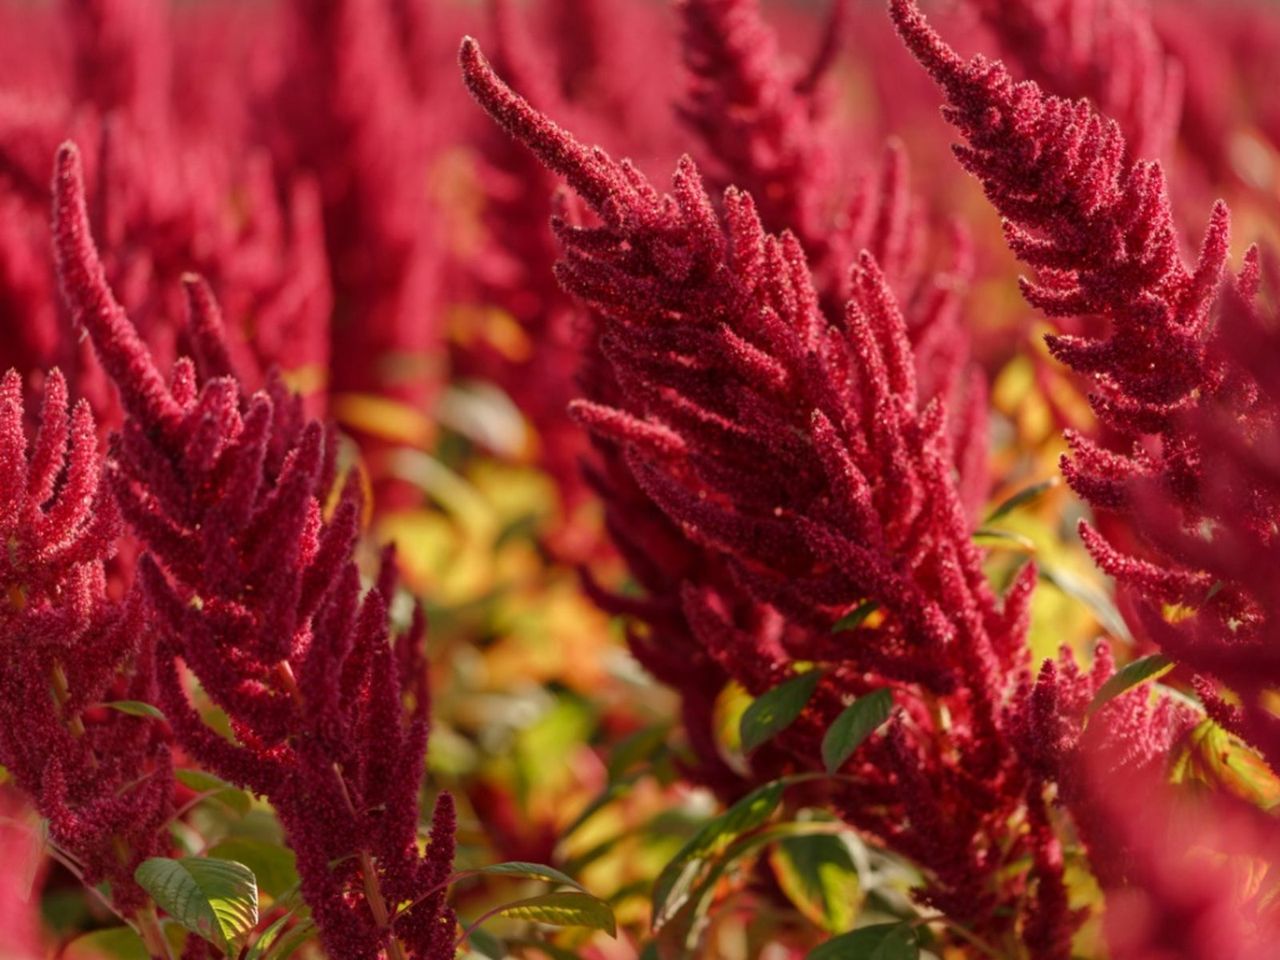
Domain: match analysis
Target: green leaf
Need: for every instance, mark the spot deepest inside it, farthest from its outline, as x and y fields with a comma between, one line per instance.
x=136, y=708
x=857, y=722
x=533, y=871
x=854, y=619
x=680, y=876
x=882, y=941
x=218, y=789
x=1014, y=540
x=215, y=899
x=487, y=945
x=637, y=747
x=1022, y=498
x=294, y=940
x=682, y=928
x=775, y=710
x=818, y=875
x=566, y=909
x=113, y=943
x=270, y=936
x=1099, y=603
x=1130, y=676
x=273, y=864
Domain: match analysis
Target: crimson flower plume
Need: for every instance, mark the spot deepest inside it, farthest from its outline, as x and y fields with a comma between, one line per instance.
x=1170, y=374
x=720, y=361
x=251, y=582
x=1106, y=50
x=101, y=778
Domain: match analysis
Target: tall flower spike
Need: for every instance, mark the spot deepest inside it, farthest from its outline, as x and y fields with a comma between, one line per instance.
x=719, y=359
x=1099, y=229
x=256, y=591
x=1106, y=50
x=104, y=781
x=759, y=128
x=1096, y=226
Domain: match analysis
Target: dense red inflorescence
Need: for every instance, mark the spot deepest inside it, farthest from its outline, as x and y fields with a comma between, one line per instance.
x=101, y=777
x=1098, y=228
x=721, y=361
x=252, y=584
x=1106, y=50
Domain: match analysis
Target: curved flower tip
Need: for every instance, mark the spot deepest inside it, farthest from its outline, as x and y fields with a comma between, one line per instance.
x=930, y=49
x=83, y=282
x=590, y=172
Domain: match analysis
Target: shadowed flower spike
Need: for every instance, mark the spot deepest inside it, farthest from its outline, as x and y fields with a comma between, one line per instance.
x=1099, y=229
x=1106, y=50
x=103, y=781
x=1184, y=377
x=1096, y=226
x=254, y=588
x=759, y=128
x=720, y=359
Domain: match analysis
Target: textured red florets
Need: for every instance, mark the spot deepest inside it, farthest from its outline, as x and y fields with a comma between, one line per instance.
x=1106, y=50
x=796, y=473
x=252, y=584
x=103, y=781
x=1189, y=396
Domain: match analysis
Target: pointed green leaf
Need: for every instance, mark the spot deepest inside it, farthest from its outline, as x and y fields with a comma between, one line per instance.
x=775, y=710
x=818, y=875
x=136, y=708
x=113, y=943
x=1098, y=602
x=882, y=941
x=857, y=722
x=532, y=871
x=1130, y=676
x=270, y=936
x=854, y=619
x=215, y=899
x=566, y=909
x=274, y=865
x=680, y=876
x=1010, y=538
x=487, y=945
x=218, y=789
x=1022, y=498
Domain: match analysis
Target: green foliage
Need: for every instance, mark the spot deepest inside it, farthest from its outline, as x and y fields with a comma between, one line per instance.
x=855, y=618
x=136, y=708
x=856, y=722
x=214, y=899
x=883, y=941
x=677, y=881
x=819, y=877
x=1130, y=676
x=564, y=909
x=775, y=710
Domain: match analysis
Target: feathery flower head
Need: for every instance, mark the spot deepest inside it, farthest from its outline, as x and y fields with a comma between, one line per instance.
x=720, y=359
x=254, y=587
x=103, y=781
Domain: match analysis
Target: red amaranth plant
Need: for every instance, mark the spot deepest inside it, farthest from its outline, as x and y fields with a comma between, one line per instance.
x=1099, y=230
x=720, y=361
x=347, y=111
x=765, y=131
x=101, y=778
x=254, y=588
x=1106, y=50
x=761, y=124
